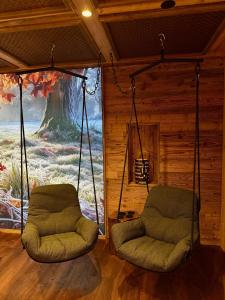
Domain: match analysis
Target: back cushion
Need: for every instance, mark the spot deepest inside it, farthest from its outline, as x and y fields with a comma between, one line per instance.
x=54, y=208
x=168, y=213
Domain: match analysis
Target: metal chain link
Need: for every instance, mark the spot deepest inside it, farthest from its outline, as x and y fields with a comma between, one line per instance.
x=115, y=79
x=98, y=75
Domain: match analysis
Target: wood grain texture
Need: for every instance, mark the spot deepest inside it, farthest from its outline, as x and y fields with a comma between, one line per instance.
x=131, y=10
x=102, y=276
x=167, y=96
x=222, y=229
x=217, y=42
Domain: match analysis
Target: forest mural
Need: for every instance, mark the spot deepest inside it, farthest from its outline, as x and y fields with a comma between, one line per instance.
x=52, y=104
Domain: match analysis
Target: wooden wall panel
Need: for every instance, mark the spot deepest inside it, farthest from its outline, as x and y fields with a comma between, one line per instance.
x=222, y=229
x=167, y=96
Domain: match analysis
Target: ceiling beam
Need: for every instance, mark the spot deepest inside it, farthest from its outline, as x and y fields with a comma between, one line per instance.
x=94, y=27
x=216, y=46
x=94, y=63
x=38, y=23
x=33, y=13
x=152, y=9
x=37, y=19
x=11, y=59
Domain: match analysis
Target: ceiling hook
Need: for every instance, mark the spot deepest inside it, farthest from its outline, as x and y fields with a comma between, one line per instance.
x=162, y=39
x=52, y=55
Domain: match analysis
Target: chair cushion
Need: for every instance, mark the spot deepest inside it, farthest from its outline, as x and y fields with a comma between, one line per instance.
x=172, y=202
x=167, y=218
x=56, y=230
x=60, y=247
x=125, y=231
x=168, y=213
x=147, y=253
x=54, y=208
x=58, y=222
x=163, y=228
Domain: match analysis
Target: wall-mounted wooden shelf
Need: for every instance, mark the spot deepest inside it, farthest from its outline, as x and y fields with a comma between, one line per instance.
x=132, y=184
x=150, y=144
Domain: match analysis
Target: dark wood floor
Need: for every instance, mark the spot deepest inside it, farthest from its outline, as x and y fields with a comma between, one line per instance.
x=102, y=276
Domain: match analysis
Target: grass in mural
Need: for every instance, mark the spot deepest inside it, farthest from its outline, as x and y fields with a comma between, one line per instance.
x=48, y=163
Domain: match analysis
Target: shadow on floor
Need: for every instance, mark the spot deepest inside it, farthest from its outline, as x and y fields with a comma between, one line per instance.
x=202, y=277
x=68, y=280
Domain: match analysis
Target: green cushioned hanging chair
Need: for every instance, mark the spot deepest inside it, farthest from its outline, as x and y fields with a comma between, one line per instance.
x=161, y=238
x=165, y=234
x=56, y=230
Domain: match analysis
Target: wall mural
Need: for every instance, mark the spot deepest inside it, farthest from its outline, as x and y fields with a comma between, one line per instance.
x=52, y=104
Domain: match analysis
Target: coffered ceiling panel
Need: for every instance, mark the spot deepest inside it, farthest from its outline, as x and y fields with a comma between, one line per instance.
x=184, y=34
x=34, y=47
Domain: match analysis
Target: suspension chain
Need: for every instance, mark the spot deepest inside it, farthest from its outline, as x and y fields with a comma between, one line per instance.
x=115, y=79
x=98, y=77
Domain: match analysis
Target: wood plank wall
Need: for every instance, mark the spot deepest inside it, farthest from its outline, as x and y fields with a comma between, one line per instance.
x=166, y=96
x=222, y=230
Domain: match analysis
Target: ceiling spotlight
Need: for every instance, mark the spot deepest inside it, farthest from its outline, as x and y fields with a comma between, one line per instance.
x=86, y=13
x=168, y=4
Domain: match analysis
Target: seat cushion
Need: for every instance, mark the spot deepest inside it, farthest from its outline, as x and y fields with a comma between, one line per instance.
x=60, y=247
x=167, y=215
x=172, y=202
x=54, y=208
x=56, y=222
x=147, y=253
x=166, y=229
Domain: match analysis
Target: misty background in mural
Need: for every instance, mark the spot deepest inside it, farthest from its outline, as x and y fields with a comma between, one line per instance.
x=52, y=104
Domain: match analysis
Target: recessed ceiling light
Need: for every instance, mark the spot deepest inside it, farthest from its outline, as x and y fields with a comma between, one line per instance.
x=168, y=4
x=86, y=13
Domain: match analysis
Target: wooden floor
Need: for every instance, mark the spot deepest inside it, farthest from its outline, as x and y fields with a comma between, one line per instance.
x=102, y=276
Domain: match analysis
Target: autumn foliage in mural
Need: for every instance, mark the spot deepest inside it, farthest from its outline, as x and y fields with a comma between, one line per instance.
x=2, y=167
x=42, y=84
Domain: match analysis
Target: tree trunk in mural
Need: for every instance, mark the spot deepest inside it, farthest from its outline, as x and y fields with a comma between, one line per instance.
x=62, y=111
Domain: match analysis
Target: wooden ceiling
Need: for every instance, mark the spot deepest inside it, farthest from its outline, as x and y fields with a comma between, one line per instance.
x=184, y=34
x=127, y=28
